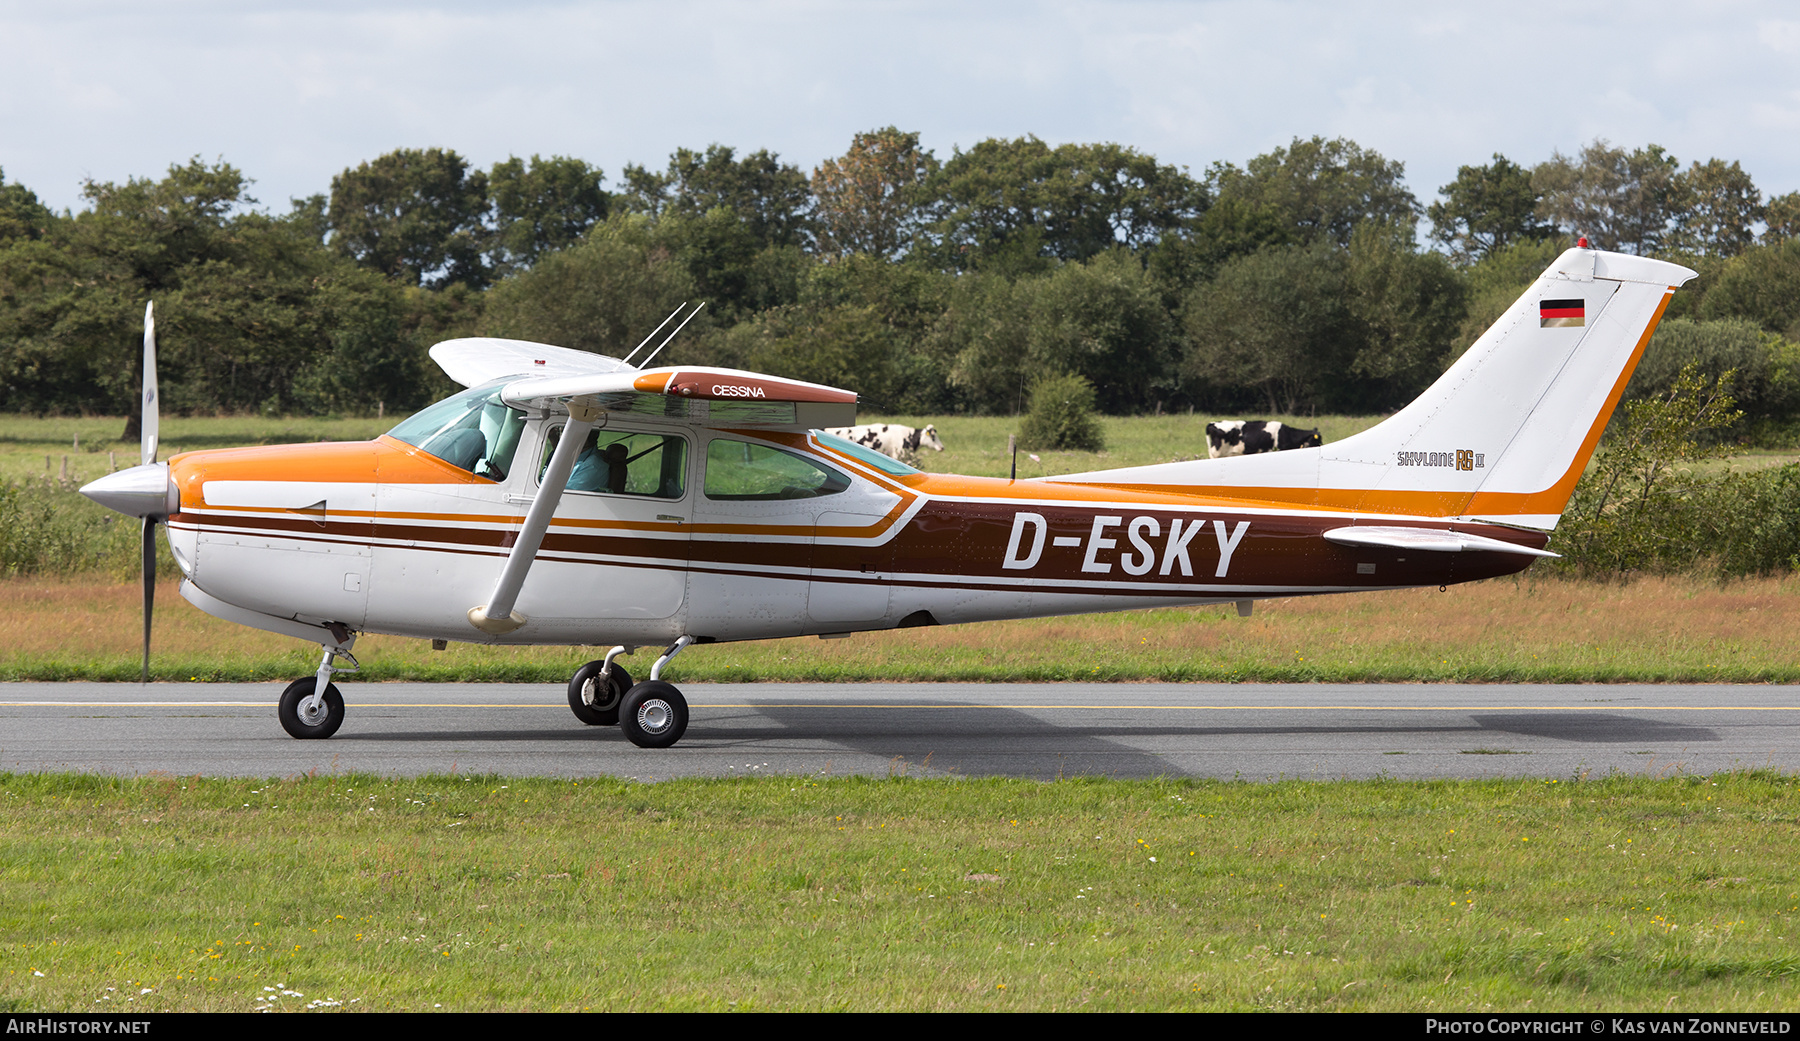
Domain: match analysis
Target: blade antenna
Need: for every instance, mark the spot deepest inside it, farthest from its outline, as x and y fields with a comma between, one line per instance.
x=672, y=335
x=652, y=335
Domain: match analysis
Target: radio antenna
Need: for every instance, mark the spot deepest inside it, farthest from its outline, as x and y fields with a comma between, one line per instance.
x=652, y=335
x=671, y=336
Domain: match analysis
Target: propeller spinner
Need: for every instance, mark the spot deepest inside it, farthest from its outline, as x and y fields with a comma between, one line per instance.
x=145, y=490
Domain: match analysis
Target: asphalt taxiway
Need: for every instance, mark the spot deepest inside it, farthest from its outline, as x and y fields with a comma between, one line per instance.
x=1249, y=731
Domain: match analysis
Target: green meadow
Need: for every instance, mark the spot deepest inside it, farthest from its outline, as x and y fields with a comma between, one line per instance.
x=357, y=893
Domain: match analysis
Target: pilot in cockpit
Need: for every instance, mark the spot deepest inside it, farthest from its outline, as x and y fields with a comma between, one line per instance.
x=600, y=469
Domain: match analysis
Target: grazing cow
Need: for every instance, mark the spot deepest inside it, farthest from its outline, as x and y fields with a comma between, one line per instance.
x=891, y=439
x=1240, y=437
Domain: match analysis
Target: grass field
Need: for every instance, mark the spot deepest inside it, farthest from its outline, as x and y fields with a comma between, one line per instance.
x=481, y=893
x=1510, y=630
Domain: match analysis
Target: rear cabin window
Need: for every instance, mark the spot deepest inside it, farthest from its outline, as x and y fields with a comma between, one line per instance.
x=746, y=471
x=473, y=431
x=617, y=462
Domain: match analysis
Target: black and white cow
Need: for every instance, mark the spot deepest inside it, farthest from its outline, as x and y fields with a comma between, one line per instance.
x=891, y=439
x=1241, y=437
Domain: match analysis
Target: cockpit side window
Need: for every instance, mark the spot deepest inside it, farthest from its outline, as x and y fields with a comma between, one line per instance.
x=619, y=462
x=473, y=431
x=744, y=470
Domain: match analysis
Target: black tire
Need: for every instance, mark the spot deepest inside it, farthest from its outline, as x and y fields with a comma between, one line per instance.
x=604, y=712
x=653, y=714
x=299, y=691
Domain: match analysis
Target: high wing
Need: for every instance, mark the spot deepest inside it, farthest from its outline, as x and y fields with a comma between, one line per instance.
x=475, y=361
x=539, y=376
x=588, y=387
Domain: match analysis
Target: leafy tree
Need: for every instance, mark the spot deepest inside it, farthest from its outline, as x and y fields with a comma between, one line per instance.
x=247, y=305
x=907, y=301
x=22, y=216
x=730, y=269
x=1761, y=285
x=868, y=200
x=1018, y=205
x=1486, y=208
x=1761, y=369
x=543, y=207
x=604, y=295
x=738, y=226
x=1404, y=308
x=1783, y=217
x=770, y=198
x=1231, y=227
x=1103, y=320
x=1323, y=189
x=1620, y=200
x=158, y=229
x=841, y=345
x=1715, y=206
x=418, y=215
x=1273, y=326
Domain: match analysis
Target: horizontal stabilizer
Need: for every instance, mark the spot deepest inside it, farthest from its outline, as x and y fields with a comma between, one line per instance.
x=1428, y=540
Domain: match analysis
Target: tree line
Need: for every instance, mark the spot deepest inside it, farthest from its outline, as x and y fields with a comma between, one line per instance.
x=1294, y=283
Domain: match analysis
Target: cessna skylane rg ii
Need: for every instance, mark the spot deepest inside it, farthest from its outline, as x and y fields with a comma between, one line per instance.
x=571, y=498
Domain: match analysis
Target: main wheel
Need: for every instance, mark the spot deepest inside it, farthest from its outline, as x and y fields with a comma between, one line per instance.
x=323, y=721
x=604, y=712
x=653, y=714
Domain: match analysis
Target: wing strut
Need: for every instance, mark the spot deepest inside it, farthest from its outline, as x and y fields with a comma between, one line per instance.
x=498, y=617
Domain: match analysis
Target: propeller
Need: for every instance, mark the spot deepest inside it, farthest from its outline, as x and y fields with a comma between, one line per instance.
x=145, y=490
x=148, y=445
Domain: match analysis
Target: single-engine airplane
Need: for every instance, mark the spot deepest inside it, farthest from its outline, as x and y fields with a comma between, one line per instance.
x=571, y=498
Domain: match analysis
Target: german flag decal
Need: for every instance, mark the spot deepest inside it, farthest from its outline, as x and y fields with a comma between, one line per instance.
x=1556, y=313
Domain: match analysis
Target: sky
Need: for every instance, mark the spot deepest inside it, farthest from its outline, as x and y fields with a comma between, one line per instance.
x=293, y=93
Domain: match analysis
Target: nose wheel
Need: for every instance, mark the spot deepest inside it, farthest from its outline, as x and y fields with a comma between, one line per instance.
x=306, y=717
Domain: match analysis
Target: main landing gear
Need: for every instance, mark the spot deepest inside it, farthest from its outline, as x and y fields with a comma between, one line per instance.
x=652, y=714
x=597, y=688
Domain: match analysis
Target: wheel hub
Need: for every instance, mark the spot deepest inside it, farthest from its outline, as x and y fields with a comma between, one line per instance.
x=312, y=711
x=654, y=717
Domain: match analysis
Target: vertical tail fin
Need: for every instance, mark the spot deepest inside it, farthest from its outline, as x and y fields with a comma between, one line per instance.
x=1504, y=433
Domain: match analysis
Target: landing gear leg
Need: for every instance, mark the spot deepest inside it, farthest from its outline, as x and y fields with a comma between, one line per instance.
x=312, y=707
x=598, y=688
x=654, y=714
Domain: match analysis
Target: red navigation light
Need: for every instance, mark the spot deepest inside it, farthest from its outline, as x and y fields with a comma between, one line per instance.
x=1582, y=242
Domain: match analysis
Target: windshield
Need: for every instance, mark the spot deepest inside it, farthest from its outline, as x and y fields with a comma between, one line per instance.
x=472, y=431
x=866, y=455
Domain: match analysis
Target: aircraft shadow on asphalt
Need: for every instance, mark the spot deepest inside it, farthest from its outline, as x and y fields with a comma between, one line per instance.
x=935, y=738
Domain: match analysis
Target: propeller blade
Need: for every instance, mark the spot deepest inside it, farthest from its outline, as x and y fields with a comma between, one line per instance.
x=149, y=587
x=149, y=405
